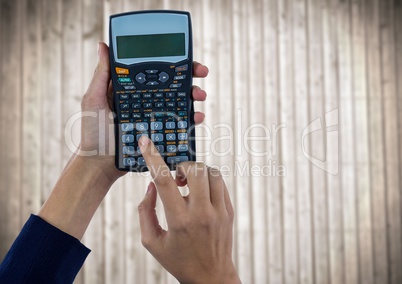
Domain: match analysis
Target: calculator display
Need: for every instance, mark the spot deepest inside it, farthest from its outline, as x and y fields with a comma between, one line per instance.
x=151, y=70
x=157, y=45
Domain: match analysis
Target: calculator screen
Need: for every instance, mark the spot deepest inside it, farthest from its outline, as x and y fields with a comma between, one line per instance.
x=151, y=45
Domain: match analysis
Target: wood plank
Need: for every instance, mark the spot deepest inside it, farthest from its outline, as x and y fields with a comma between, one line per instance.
x=391, y=141
x=331, y=90
x=287, y=139
x=359, y=66
x=72, y=88
x=347, y=143
x=3, y=190
x=271, y=104
x=376, y=143
x=303, y=166
x=92, y=26
x=11, y=90
x=31, y=98
x=317, y=141
x=205, y=152
x=398, y=60
x=257, y=146
x=241, y=106
x=51, y=89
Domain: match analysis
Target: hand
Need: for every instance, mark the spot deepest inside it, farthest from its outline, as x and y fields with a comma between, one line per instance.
x=197, y=248
x=97, y=131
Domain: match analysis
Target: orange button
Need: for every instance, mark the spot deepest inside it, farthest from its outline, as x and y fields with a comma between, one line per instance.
x=122, y=71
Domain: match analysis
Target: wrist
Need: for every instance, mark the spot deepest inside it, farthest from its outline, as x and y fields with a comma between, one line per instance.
x=228, y=276
x=231, y=276
x=76, y=195
x=102, y=166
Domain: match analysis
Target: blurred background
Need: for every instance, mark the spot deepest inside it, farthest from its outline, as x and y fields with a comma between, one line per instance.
x=303, y=117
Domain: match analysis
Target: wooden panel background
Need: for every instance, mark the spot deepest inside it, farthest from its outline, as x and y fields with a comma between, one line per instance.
x=275, y=67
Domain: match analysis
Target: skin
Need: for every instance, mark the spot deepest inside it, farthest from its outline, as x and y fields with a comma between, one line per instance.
x=86, y=180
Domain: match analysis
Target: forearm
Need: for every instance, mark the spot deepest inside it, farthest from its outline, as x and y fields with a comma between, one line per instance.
x=76, y=196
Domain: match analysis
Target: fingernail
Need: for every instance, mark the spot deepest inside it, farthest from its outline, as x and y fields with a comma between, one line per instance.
x=149, y=188
x=143, y=141
x=98, y=48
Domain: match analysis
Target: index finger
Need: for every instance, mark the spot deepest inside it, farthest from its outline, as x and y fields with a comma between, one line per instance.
x=160, y=172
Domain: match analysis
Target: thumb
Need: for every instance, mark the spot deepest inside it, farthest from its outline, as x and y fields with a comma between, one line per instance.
x=101, y=78
x=149, y=224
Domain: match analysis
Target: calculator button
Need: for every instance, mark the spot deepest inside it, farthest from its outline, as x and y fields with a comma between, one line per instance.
x=128, y=138
x=181, y=77
x=128, y=150
x=181, y=104
x=141, y=161
x=137, y=115
x=124, y=97
x=175, y=85
x=177, y=159
x=182, y=148
x=124, y=106
x=157, y=137
x=170, y=125
x=163, y=77
x=171, y=148
x=182, y=136
x=170, y=95
x=124, y=80
x=170, y=104
x=181, y=68
x=129, y=161
x=159, y=104
x=141, y=126
x=140, y=78
x=122, y=71
x=152, y=77
x=171, y=137
x=135, y=96
x=152, y=83
x=160, y=148
x=148, y=114
x=136, y=105
x=156, y=125
x=127, y=127
x=158, y=95
x=181, y=94
x=147, y=96
x=125, y=115
x=147, y=105
x=182, y=113
x=141, y=134
x=129, y=87
x=182, y=124
x=153, y=71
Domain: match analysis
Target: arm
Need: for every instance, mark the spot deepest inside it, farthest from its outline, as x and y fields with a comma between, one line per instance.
x=197, y=248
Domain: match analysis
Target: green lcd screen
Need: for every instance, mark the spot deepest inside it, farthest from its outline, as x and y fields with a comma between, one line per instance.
x=155, y=45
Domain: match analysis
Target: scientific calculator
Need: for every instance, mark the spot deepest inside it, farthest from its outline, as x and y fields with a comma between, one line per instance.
x=151, y=69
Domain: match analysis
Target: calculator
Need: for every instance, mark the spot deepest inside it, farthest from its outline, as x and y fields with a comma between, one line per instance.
x=151, y=70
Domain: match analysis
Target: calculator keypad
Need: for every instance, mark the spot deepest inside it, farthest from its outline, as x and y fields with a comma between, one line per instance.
x=153, y=103
x=161, y=116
